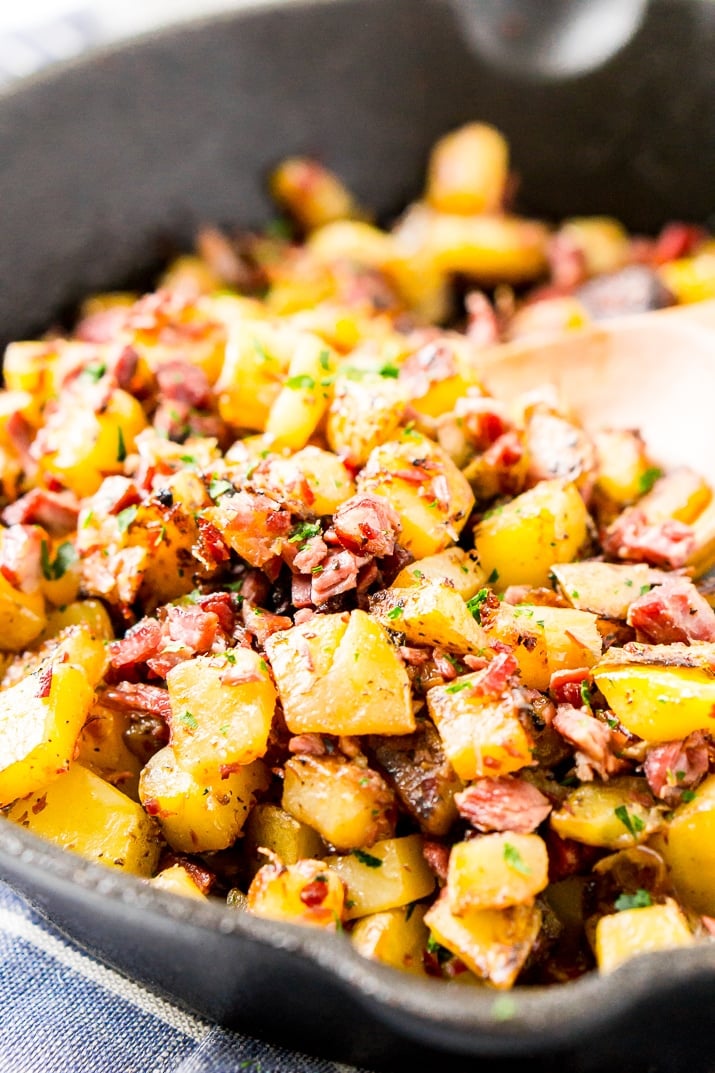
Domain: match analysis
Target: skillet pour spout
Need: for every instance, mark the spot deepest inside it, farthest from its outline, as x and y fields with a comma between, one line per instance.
x=105, y=161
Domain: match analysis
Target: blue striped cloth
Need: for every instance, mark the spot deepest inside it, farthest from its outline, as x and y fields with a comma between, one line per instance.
x=63, y=1012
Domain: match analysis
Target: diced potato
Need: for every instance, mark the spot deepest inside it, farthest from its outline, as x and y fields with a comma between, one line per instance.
x=424, y=779
x=493, y=943
x=348, y=805
x=312, y=193
x=91, y=614
x=496, y=871
x=396, y=937
x=176, y=880
x=481, y=735
x=81, y=812
x=468, y=170
x=429, y=615
x=40, y=721
x=221, y=710
x=22, y=616
x=519, y=542
x=453, y=567
x=39, y=368
x=199, y=813
x=102, y=748
x=304, y=395
x=688, y=846
x=546, y=639
x=681, y=494
x=615, y=814
x=308, y=892
x=271, y=828
x=73, y=644
x=657, y=703
x=393, y=873
x=167, y=536
x=620, y=936
x=431, y=496
x=257, y=356
x=605, y=589
x=258, y=542
x=327, y=480
x=365, y=412
x=489, y=248
x=622, y=465
x=64, y=588
x=82, y=447
x=702, y=557
x=691, y=279
x=602, y=240
x=338, y=677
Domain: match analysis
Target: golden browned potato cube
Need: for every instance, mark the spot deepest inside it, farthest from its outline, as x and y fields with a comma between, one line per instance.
x=546, y=639
x=468, y=170
x=348, y=805
x=519, y=542
x=326, y=481
x=308, y=892
x=167, y=536
x=615, y=814
x=623, y=465
x=605, y=589
x=257, y=356
x=431, y=496
x=430, y=614
x=40, y=721
x=221, y=709
x=271, y=828
x=390, y=874
x=81, y=812
x=102, y=748
x=91, y=614
x=681, y=494
x=658, y=703
x=305, y=393
x=493, y=943
x=338, y=677
x=691, y=279
x=365, y=412
x=312, y=193
x=481, y=736
x=199, y=813
x=602, y=240
x=22, y=616
x=620, y=936
x=176, y=880
x=496, y=871
x=396, y=937
x=688, y=846
x=453, y=567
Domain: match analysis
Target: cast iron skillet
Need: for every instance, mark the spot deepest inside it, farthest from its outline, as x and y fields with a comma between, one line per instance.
x=101, y=163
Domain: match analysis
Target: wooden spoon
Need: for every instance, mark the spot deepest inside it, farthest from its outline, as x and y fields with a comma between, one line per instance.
x=654, y=372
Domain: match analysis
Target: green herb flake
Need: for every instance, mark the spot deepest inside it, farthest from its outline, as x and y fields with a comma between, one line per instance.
x=688, y=795
x=474, y=606
x=301, y=382
x=389, y=370
x=515, y=860
x=640, y=900
x=612, y=722
x=575, y=594
x=279, y=228
x=125, y=518
x=219, y=487
x=223, y=731
x=629, y=582
x=644, y=589
x=493, y=577
x=95, y=371
x=367, y=859
x=324, y=360
x=586, y=693
x=395, y=611
x=121, y=446
x=632, y=823
x=648, y=478
x=263, y=666
x=317, y=569
x=188, y=460
x=503, y=1008
x=418, y=574
x=188, y=720
x=230, y=657
x=457, y=687
x=88, y=519
x=303, y=533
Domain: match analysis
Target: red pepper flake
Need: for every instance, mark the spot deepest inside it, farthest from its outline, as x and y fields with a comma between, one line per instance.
x=44, y=682
x=314, y=893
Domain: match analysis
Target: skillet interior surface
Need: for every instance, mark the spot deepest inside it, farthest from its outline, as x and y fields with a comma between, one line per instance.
x=107, y=162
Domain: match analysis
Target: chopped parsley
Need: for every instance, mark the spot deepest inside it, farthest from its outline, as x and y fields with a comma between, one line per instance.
x=493, y=577
x=640, y=900
x=303, y=533
x=474, y=606
x=632, y=823
x=300, y=382
x=54, y=569
x=95, y=371
x=457, y=687
x=324, y=360
x=648, y=478
x=389, y=370
x=121, y=446
x=219, y=487
x=585, y=693
x=263, y=666
x=395, y=611
x=503, y=1008
x=688, y=795
x=515, y=860
x=188, y=720
x=125, y=518
x=367, y=859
